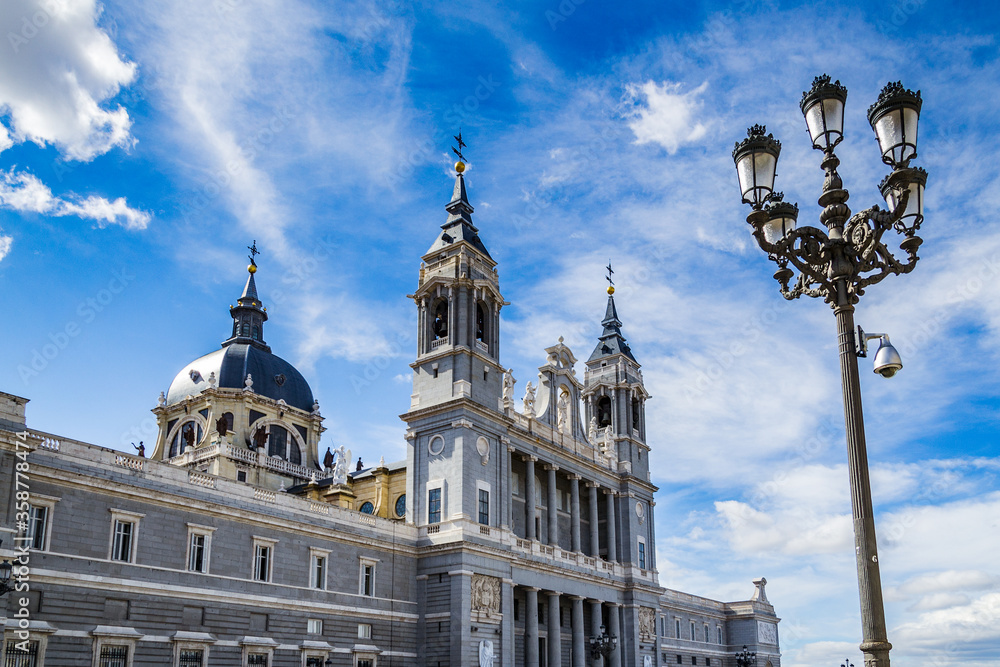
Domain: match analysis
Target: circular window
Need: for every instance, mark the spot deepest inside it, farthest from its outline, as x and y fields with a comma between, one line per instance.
x=435, y=445
x=401, y=506
x=368, y=508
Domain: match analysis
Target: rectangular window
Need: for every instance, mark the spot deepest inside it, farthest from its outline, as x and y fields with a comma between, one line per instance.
x=434, y=506
x=319, y=572
x=38, y=519
x=708, y=637
x=241, y=475
x=114, y=656
x=314, y=626
x=367, y=578
x=262, y=563
x=364, y=630
x=692, y=630
x=719, y=632
x=708, y=662
x=642, y=555
x=257, y=660
x=15, y=657
x=663, y=626
x=197, y=552
x=365, y=662
x=694, y=660
x=677, y=628
x=122, y=547
x=678, y=660
x=314, y=661
x=191, y=657
x=484, y=506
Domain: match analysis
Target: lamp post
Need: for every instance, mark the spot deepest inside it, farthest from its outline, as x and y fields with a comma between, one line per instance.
x=6, y=569
x=838, y=264
x=746, y=658
x=603, y=646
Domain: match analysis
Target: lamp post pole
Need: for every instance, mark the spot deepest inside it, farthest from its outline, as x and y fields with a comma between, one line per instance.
x=837, y=264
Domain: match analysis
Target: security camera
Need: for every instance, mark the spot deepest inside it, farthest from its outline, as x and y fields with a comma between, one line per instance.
x=887, y=359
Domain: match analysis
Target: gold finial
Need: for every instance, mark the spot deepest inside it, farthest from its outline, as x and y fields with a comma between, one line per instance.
x=460, y=165
x=252, y=267
x=611, y=289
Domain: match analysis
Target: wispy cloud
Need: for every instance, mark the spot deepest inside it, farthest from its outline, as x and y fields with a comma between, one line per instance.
x=21, y=191
x=663, y=114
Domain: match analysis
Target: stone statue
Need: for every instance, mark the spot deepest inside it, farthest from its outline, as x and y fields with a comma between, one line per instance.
x=361, y=466
x=328, y=460
x=529, y=401
x=508, y=387
x=222, y=426
x=592, y=432
x=140, y=449
x=486, y=653
x=340, y=467
x=609, y=438
x=562, y=405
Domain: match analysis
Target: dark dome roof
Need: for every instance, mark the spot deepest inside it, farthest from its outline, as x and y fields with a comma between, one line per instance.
x=272, y=376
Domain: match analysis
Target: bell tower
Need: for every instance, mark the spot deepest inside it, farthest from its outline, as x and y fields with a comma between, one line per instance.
x=458, y=302
x=615, y=397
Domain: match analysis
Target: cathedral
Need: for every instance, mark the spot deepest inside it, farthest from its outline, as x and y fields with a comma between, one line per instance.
x=517, y=532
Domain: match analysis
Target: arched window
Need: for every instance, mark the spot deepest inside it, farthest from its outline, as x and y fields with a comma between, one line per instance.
x=480, y=322
x=256, y=332
x=186, y=437
x=246, y=328
x=368, y=508
x=236, y=327
x=439, y=327
x=604, y=411
x=401, y=506
x=277, y=442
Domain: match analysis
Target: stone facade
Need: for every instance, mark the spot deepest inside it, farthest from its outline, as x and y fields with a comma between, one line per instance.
x=508, y=536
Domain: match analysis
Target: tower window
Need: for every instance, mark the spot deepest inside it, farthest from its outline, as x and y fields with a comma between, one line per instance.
x=440, y=324
x=635, y=414
x=604, y=411
x=434, y=506
x=246, y=328
x=480, y=322
x=256, y=332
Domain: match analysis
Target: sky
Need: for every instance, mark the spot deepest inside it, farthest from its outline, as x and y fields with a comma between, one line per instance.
x=143, y=146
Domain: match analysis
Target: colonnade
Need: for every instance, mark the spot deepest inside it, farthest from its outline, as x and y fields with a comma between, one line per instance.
x=581, y=651
x=594, y=491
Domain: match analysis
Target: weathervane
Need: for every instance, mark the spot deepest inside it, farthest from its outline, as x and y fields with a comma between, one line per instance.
x=461, y=145
x=253, y=252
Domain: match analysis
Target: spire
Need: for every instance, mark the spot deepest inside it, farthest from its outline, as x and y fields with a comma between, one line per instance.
x=611, y=342
x=249, y=314
x=459, y=226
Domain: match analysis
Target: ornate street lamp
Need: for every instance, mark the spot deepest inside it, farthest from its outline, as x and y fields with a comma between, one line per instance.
x=6, y=569
x=847, y=663
x=837, y=264
x=603, y=646
x=746, y=658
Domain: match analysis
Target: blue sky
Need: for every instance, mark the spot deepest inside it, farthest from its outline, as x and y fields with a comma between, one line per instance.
x=144, y=145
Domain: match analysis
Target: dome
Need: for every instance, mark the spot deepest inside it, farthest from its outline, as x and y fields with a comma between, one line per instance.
x=272, y=376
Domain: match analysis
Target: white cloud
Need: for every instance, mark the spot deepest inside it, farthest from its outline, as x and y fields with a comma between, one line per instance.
x=669, y=118
x=57, y=73
x=5, y=245
x=22, y=191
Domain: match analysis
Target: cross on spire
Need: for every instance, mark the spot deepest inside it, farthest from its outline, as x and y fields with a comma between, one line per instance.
x=253, y=252
x=461, y=145
x=610, y=271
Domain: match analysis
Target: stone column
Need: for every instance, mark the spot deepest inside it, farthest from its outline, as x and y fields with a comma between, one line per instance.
x=574, y=511
x=579, y=645
x=595, y=535
x=529, y=497
x=507, y=516
x=506, y=626
x=595, y=627
x=531, y=627
x=612, y=549
x=555, y=635
x=614, y=630
x=553, y=513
